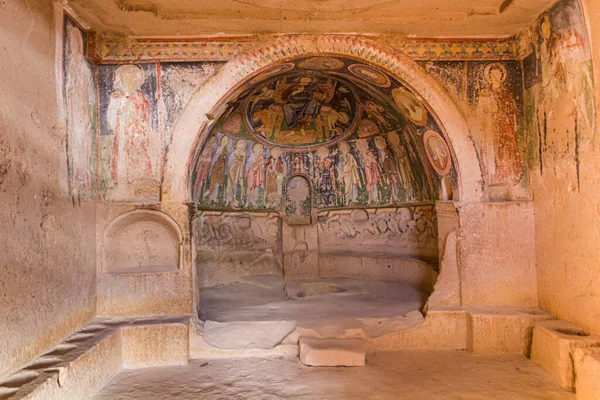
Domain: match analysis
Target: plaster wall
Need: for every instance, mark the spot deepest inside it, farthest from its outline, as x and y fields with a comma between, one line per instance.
x=566, y=236
x=47, y=261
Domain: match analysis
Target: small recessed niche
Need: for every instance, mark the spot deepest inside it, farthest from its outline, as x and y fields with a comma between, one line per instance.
x=142, y=242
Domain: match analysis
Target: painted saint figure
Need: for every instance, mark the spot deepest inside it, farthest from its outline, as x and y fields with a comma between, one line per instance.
x=372, y=170
x=79, y=112
x=390, y=169
x=500, y=146
x=203, y=165
x=217, y=174
x=403, y=163
x=348, y=172
x=326, y=181
x=274, y=174
x=130, y=119
x=256, y=173
x=235, y=175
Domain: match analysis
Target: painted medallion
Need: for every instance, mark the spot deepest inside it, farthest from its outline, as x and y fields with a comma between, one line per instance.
x=437, y=152
x=370, y=75
x=409, y=106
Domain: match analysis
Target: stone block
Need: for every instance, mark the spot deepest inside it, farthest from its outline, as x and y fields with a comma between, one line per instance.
x=446, y=291
x=246, y=334
x=394, y=269
x=502, y=331
x=332, y=352
x=552, y=349
x=441, y=330
x=587, y=371
x=155, y=345
x=497, y=258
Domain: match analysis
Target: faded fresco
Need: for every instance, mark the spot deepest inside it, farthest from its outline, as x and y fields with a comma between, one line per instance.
x=178, y=83
x=298, y=205
x=451, y=75
x=130, y=136
x=357, y=135
x=559, y=92
x=496, y=103
x=80, y=106
x=395, y=231
x=233, y=245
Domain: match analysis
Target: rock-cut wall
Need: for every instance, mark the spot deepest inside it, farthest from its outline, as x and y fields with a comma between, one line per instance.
x=47, y=257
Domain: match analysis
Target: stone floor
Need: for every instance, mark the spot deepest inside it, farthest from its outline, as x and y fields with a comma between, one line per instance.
x=270, y=298
x=415, y=375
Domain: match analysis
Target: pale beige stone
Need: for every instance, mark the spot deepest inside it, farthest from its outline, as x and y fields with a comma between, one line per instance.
x=332, y=352
x=90, y=358
x=587, y=373
x=246, y=334
x=395, y=269
x=456, y=19
x=446, y=291
x=502, y=331
x=497, y=255
x=155, y=345
x=443, y=329
x=552, y=349
x=161, y=292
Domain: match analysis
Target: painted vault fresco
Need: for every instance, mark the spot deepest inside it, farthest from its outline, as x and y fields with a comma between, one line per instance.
x=559, y=93
x=357, y=135
x=80, y=106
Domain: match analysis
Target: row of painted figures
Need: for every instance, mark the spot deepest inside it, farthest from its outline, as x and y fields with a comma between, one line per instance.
x=237, y=173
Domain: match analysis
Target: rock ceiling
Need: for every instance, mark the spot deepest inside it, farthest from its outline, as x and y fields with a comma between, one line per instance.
x=425, y=18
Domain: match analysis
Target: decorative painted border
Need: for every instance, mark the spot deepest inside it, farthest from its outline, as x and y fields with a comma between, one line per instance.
x=111, y=49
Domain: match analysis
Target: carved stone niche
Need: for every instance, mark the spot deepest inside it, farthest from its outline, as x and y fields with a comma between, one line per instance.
x=142, y=241
x=298, y=201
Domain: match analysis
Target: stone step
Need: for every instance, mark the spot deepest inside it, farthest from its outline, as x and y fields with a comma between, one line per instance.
x=332, y=352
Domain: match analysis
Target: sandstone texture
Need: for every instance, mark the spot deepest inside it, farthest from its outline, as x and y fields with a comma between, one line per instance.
x=332, y=352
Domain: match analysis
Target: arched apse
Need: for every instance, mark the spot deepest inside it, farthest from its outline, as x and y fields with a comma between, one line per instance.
x=210, y=102
x=360, y=136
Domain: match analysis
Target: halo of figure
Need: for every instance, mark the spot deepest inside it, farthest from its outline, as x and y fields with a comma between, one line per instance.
x=409, y=106
x=370, y=75
x=438, y=152
x=321, y=63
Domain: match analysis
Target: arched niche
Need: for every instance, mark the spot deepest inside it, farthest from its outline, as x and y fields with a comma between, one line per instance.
x=298, y=201
x=142, y=241
x=361, y=137
x=211, y=100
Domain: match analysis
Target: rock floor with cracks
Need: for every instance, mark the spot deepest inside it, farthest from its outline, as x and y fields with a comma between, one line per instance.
x=415, y=375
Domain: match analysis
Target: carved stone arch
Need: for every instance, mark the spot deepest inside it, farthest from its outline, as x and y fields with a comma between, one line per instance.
x=204, y=107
